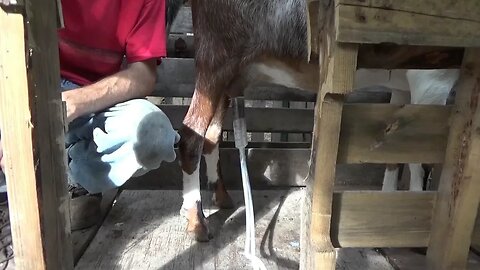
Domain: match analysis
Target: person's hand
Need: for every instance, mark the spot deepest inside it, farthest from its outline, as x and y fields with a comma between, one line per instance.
x=70, y=107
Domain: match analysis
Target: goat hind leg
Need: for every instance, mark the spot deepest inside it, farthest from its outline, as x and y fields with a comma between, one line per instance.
x=197, y=120
x=221, y=198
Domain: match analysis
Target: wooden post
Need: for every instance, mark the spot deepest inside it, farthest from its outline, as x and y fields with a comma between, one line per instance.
x=33, y=138
x=459, y=188
x=319, y=252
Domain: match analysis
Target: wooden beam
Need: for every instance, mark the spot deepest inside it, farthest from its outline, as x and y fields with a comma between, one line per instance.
x=460, y=9
x=387, y=133
x=24, y=203
x=393, y=56
x=49, y=130
x=268, y=168
x=32, y=135
x=338, y=82
x=365, y=219
x=376, y=25
x=370, y=133
x=459, y=189
x=279, y=119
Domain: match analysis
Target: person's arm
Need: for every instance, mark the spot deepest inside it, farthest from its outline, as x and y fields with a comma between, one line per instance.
x=136, y=81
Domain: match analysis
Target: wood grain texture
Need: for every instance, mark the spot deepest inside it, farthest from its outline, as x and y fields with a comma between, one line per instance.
x=370, y=133
x=460, y=9
x=375, y=25
x=387, y=133
x=141, y=233
x=382, y=219
x=81, y=239
x=459, y=188
x=267, y=168
x=393, y=56
x=49, y=128
x=338, y=82
x=24, y=203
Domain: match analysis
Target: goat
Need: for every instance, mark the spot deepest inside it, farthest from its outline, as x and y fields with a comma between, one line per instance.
x=238, y=44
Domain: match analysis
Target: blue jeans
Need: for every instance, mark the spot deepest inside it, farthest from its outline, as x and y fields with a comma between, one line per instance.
x=107, y=148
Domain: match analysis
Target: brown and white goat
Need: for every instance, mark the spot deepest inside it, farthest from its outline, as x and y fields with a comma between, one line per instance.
x=239, y=43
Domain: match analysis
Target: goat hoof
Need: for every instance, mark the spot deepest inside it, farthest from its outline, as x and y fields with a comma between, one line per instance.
x=221, y=198
x=197, y=224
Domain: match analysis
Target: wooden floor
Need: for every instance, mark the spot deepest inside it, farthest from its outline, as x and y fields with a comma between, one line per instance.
x=145, y=231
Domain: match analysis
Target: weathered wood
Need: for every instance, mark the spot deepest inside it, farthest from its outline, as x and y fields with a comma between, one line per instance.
x=279, y=119
x=392, y=56
x=371, y=133
x=387, y=133
x=267, y=168
x=406, y=258
x=183, y=21
x=338, y=82
x=141, y=233
x=382, y=219
x=375, y=25
x=49, y=127
x=32, y=120
x=459, y=189
x=17, y=142
x=82, y=238
x=460, y=9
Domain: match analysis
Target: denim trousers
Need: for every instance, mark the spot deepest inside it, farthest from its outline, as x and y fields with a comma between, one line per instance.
x=107, y=148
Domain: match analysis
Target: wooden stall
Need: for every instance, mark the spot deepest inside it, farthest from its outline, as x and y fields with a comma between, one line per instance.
x=424, y=34
x=352, y=128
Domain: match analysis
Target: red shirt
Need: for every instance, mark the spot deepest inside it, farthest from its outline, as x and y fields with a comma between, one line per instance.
x=99, y=33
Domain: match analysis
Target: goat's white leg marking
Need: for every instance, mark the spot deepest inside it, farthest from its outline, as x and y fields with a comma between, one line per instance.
x=191, y=190
x=211, y=161
x=416, y=176
x=390, y=179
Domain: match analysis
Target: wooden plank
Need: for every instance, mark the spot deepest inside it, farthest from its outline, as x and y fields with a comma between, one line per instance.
x=141, y=233
x=459, y=189
x=280, y=119
x=338, y=82
x=406, y=258
x=460, y=9
x=374, y=25
x=39, y=219
x=387, y=133
x=382, y=219
x=393, y=56
x=267, y=168
x=183, y=21
x=82, y=238
x=16, y=138
x=49, y=128
x=370, y=133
